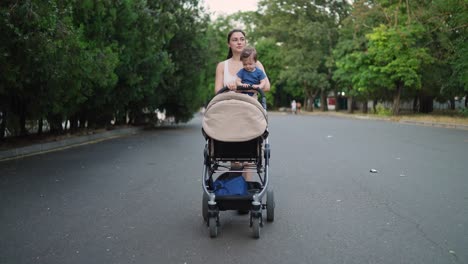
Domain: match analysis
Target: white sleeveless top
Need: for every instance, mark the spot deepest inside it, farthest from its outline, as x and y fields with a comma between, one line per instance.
x=228, y=78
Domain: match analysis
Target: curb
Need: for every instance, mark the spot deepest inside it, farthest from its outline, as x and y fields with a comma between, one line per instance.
x=402, y=121
x=65, y=143
x=413, y=122
x=433, y=124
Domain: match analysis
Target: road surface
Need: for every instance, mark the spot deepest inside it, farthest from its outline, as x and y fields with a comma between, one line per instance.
x=137, y=199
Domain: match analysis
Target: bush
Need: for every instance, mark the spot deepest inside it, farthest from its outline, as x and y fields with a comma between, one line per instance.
x=382, y=110
x=463, y=112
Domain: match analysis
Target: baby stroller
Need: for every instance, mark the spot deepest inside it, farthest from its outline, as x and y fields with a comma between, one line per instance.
x=236, y=133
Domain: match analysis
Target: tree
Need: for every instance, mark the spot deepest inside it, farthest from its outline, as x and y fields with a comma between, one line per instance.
x=396, y=59
x=38, y=41
x=269, y=54
x=185, y=85
x=393, y=55
x=350, y=53
x=99, y=60
x=307, y=32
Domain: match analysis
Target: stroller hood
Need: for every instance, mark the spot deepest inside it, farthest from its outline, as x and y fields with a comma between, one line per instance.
x=233, y=117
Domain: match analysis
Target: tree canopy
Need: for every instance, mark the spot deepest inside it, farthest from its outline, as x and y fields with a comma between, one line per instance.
x=89, y=62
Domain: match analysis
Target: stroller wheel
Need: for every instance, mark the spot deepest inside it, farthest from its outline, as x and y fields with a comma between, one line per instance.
x=270, y=206
x=213, y=225
x=256, y=223
x=205, y=207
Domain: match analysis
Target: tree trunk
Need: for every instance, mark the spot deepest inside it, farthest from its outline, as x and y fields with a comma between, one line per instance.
x=396, y=99
x=55, y=122
x=415, y=104
x=337, y=104
x=323, y=101
x=374, y=105
x=350, y=104
x=466, y=100
x=365, y=108
x=452, y=104
x=426, y=104
x=310, y=103
x=82, y=119
x=310, y=100
x=73, y=123
x=23, y=130
x=3, y=121
x=40, y=126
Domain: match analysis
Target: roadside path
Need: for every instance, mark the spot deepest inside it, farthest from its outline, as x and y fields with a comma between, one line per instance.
x=402, y=120
x=72, y=141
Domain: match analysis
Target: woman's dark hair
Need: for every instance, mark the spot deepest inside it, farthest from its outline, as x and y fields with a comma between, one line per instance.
x=229, y=38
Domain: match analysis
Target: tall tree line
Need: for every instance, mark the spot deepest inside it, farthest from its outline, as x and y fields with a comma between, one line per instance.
x=93, y=61
x=411, y=50
x=362, y=50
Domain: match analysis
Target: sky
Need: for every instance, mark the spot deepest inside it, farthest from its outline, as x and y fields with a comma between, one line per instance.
x=226, y=7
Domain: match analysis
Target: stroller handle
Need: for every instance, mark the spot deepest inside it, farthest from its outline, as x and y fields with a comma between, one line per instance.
x=250, y=88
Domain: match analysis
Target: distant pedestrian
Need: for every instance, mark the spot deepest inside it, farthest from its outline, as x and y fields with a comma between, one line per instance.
x=293, y=107
x=298, y=106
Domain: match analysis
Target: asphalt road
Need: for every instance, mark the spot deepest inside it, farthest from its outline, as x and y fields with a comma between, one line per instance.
x=137, y=199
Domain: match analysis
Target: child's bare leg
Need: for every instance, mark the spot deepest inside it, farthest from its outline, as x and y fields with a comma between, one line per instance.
x=249, y=171
x=236, y=166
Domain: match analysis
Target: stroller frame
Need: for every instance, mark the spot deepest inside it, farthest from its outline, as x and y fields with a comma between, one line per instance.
x=224, y=157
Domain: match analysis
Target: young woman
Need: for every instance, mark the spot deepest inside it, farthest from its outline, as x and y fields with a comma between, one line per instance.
x=226, y=70
x=226, y=73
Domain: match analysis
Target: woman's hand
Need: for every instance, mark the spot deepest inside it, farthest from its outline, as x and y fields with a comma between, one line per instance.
x=232, y=86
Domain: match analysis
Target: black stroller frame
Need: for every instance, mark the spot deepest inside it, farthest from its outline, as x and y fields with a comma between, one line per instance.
x=221, y=158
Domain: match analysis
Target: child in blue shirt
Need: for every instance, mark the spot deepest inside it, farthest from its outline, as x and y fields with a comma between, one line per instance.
x=250, y=74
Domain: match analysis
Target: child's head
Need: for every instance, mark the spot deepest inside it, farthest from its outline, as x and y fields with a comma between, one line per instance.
x=249, y=58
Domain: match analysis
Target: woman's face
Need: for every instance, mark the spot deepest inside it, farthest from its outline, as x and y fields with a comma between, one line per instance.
x=237, y=42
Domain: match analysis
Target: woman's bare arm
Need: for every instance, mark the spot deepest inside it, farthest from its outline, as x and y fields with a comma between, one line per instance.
x=238, y=81
x=219, y=79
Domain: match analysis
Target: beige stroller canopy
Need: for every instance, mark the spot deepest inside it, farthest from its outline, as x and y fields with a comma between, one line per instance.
x=234, y=117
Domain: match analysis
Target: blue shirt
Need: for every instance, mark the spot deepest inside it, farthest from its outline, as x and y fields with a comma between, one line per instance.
x=251, y=77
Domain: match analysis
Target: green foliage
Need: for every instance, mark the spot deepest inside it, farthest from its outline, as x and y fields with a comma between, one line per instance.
x=215, y=39
x=395, y=57
x=91, y=60
x=408, y=50
x=307, y=32
x=185, y=83
x=463, y=112
x=269, y=55
x=381, y=110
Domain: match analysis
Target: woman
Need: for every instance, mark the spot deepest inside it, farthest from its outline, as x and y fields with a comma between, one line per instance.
x=226, y=71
